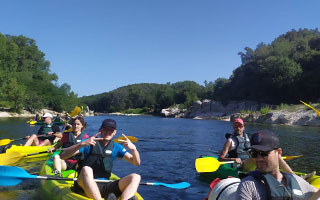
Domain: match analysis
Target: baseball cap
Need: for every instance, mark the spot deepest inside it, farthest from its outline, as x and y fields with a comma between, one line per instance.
x=264, y=140
x=109, y=123
x=238, y=120
x=47, y=115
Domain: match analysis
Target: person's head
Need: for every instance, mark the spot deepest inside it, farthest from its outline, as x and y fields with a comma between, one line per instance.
x=108, y=129
x=78, y=124
x=265, y=150
x=47, y=118
x=238, y=126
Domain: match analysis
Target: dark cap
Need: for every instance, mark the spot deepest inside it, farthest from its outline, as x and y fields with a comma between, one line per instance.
x=109, y=123
x=264, y=140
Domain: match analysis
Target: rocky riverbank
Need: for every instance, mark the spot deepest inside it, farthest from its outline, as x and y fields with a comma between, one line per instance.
x=249, y=111
x=4, y=113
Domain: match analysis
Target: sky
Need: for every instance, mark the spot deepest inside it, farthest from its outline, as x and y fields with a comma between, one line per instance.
x=98, y=46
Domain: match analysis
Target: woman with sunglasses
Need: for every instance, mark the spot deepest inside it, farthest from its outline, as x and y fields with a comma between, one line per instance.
x=268, y=182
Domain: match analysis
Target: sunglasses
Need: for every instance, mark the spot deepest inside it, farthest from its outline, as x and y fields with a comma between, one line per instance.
x=255, y=153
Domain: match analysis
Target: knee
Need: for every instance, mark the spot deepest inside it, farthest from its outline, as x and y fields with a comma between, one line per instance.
x=135, y=178
x=33, y=136
x=56, y=158
x=86, y=171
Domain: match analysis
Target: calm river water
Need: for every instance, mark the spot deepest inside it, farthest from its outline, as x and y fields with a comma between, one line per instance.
x=168, y=148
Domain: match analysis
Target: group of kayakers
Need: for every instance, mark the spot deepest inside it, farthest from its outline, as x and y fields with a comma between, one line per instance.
x=92, y=157
x=261, y=154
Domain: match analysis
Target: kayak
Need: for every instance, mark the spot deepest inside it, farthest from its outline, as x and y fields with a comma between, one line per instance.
x=41, y=123
x=54, y=189
x=29, y=149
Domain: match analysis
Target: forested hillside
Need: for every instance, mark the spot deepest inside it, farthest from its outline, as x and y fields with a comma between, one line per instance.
x=26, y=80
x=284, y=71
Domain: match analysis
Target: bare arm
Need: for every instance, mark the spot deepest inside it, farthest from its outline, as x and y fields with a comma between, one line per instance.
x=224, y=152
x=133, y=158
x=74, y=149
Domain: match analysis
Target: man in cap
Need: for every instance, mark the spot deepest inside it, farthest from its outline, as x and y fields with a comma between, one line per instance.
x=236, y=144
x=268, y=182
x=46, y=134
x=97, y=156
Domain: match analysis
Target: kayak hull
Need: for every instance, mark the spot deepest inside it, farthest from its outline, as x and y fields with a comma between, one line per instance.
x=29, y=150
x=55, y=190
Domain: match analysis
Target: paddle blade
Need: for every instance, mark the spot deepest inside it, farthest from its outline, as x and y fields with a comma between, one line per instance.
x=5, y=142
x=75, y=111
x=207, y=164
x=10, y=158
x=291, y=157
x=10, y=176
x=131, y=138
x=315, y=110
x=181, y=185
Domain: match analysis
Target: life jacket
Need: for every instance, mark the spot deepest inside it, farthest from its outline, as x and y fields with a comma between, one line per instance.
x=72, y=140
x=276, y=190
x=45, y=130
x=99, y=159
x=242, y=143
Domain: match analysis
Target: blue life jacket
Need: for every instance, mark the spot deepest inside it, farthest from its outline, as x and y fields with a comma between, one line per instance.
x=276, y=190
x=99, y=159
x=242, y=143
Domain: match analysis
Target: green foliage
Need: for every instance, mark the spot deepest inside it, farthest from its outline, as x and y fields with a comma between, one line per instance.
x=25, y=78
x=265, y=110
x=284, y=71
x=246, y=111
x=282, y=106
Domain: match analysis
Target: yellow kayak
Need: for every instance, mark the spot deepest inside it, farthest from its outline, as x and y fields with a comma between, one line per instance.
x=29, y=149
x=54, y=189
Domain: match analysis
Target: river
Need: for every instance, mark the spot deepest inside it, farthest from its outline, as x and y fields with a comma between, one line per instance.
x=168, y=148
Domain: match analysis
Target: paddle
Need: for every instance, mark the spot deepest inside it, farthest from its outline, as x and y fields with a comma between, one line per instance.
x=10, y=176
x=13, y=157
x=131, y=138
x=211, y=164
x=75, y=111
x=315, y=110
x=7, y=141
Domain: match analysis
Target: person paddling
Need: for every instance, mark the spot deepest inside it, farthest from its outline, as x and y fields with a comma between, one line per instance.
x=68, y=139
x=97, y=156
x=268, y=182
x=236, y=144
x=46, y=134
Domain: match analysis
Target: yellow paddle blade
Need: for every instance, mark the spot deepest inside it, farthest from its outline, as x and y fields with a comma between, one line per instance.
x=290, y=157
x=5, y=142
x=315, y=110
x=33, y=122
x=69, y=130
x=75, y=111
x=207, y=164
x=10, y=157
x=131, y=138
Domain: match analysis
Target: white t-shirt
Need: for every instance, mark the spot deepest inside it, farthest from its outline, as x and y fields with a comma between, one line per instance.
x=250, y=188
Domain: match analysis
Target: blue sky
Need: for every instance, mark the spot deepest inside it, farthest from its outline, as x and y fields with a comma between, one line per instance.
x=98, y=46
